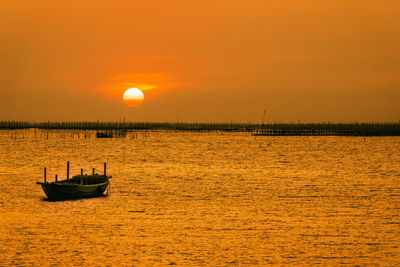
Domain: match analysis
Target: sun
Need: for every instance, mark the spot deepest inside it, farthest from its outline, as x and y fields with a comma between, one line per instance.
x=133, y=97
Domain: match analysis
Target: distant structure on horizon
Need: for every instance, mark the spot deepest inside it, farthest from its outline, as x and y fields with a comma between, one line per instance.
x=270, y=129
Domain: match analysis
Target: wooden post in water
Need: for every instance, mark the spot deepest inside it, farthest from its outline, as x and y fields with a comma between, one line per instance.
x=45, y=174
x=93, y=171
x=67, y=171
x=56, y=178
x=105, y=172
x=81, y=176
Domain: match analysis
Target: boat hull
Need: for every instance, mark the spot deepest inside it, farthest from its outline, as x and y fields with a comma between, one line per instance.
x=59, y=191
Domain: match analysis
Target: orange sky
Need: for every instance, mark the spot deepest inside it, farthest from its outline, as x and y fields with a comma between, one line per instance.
x=210, y=61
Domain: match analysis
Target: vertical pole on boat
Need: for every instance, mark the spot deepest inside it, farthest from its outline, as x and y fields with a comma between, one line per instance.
x=81, y=176
x=105, y=167
x=45, y=174
x=56, y=178
x=67, y=171
x=93, y=171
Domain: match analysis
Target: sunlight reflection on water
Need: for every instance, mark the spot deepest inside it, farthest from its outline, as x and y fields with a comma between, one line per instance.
x=203, y=199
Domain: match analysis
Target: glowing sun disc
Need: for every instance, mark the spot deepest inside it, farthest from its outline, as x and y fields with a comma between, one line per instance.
x=133, y=97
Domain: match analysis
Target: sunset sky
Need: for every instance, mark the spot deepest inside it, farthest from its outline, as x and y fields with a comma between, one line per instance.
x=208, y=61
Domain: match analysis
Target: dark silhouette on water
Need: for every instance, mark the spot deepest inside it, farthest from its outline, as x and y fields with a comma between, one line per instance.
x=79, y=186
x=107, y=134
x=119, y=129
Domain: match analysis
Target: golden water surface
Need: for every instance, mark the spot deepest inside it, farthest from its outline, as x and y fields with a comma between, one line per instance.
x=203, y=199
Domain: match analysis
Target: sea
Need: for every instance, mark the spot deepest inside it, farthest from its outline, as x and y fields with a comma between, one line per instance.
x=202, y=199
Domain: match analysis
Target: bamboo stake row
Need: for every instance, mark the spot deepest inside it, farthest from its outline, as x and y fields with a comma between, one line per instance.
x=81, y=176
x=120, y=128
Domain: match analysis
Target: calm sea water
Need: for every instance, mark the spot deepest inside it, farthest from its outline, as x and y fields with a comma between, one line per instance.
x=203, y=199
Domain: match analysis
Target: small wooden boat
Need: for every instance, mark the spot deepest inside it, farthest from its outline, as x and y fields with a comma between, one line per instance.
x=108, y=134
x=121, y=133
x=79, y=186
